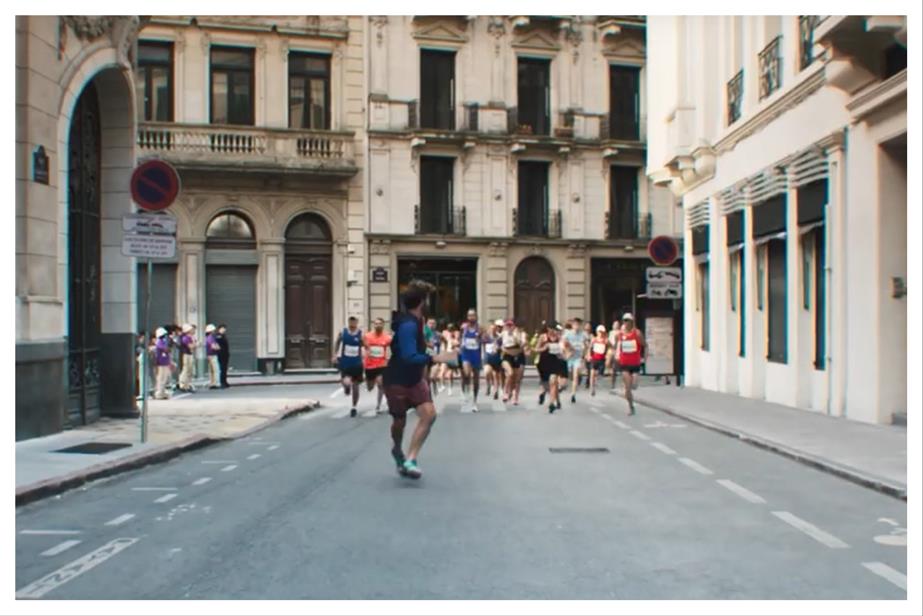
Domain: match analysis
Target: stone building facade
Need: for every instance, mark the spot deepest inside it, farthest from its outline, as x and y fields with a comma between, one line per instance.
x=786, y=139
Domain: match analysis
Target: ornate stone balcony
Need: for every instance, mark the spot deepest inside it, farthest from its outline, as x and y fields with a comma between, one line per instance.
x=248, y=149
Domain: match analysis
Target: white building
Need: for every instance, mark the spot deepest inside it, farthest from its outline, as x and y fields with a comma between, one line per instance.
x=786, y=138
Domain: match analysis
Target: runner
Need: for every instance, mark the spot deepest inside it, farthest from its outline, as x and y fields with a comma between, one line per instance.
x=632, y=352
x=347, y=357
x=513, y=346
x=552, y=369
x=613, y=348
x=376, y=345
x=472, y=342
x=493, y=370
x=598, y=355
x=451, y=343
x=575, y=349
x=405, y=382
x=432, y=338
x=587, y=364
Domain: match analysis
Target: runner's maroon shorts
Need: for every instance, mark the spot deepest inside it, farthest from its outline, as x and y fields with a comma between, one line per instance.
x=401, y=397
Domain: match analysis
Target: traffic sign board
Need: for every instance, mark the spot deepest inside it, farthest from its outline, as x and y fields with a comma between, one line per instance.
x=154, y=185
x=664, y=290
x=159, y=224
x=150, y=246
x=663, y=250
x=664, y=274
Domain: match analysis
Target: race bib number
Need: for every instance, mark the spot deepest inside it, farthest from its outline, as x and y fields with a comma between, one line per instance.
x=472, y=344
x=599, y=348
x=377, y=352
x=554, y=348
x=350, y=351
x=629, y=346
x=491, y=348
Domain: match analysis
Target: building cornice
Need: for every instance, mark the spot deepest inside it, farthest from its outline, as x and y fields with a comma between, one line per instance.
x=877, y=96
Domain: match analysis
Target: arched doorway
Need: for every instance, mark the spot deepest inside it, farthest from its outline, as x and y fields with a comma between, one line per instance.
x=533, y=285
x=308, y=293
x=231, y=262
x=84, y=288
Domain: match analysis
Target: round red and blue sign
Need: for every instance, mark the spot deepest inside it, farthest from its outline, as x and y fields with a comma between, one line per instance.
x=663, y=250
x=154, y=185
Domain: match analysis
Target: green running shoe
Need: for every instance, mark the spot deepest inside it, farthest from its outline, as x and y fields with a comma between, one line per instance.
x=412, y=470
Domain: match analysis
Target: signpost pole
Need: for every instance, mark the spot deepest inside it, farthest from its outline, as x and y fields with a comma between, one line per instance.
x=147, y=329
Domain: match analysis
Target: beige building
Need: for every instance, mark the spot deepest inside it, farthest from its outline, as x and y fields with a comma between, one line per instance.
x=786, y=138
x=505, y=164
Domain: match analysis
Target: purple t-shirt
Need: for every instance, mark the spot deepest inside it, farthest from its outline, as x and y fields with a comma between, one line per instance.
x=211, y=345
x=185, y=344
x=162, y=352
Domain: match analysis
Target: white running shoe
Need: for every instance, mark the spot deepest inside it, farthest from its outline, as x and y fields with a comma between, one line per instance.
x=474, y=409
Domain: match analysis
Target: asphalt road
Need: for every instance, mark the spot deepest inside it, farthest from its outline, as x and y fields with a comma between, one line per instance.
x=312, y=509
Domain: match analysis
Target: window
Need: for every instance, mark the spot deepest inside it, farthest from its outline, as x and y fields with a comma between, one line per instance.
x=624, y=102
x=534, y=96
x=154, y=81
x=778, y=301
x=761, y=278
x=820, y=299
x=232, y=86
x=435, y=214
x=532, y=215
x=308, y=91
x=806, y=25
x=807, y=269
x=623, y=202
x=742, y=302
x=735, y=95
x=703, y=293
x=437, y=89
x=771, y=67
x=229, y=230
x=812, y=199
x=733, y=279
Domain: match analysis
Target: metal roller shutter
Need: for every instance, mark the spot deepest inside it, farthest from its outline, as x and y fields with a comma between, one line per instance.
x=163, y=295
x=230, y=298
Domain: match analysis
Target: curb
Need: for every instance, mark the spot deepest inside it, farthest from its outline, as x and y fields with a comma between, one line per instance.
x=57, y=485
x=817, y=462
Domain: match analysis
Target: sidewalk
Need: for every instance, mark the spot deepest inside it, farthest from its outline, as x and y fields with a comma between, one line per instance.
x=182, y=423
x=872, y=455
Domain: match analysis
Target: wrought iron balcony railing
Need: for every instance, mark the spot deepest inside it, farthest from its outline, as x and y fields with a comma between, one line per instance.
x=426, y=221
x=549, y=226
x=640, y=227
x=771, y=67
x=735, y=94
x=806, y=25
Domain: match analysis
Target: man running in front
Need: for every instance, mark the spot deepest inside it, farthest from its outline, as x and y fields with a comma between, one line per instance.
x=405, y=379
x=631, y=353
x=376, y=345
x=349, y=345
x=472, y=342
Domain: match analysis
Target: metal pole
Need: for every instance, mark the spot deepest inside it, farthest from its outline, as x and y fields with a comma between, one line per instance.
x=147, y=328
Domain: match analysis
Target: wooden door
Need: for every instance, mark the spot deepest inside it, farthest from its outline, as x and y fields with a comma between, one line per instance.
x=534, y=293
x=308, y=311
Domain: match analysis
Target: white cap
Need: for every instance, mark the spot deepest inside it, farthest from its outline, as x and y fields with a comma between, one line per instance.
x=499, y=322
x=187, y=328
x=600, y=328
x=161, y=332
x=209, y=328
x=628, y=317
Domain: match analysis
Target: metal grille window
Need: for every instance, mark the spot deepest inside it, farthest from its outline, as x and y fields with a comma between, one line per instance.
x=771, y=67
x=735, y=93
x=229, y=230
x=232, y=86
x=154, y=81
x=778, y=301
x=623, y=202
x=806, y=25
x=624, y=102
x=437, y=89
x=704, y=305
x=533, y=214
x=308, y=91
x=436, y=195
x=534, y=96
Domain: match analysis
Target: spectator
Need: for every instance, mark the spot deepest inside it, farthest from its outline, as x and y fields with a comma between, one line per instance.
x=224, y=355
x=212, y=348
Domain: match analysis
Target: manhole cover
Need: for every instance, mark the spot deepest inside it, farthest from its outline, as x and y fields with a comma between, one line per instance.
x=95, y=448
x=578, y=449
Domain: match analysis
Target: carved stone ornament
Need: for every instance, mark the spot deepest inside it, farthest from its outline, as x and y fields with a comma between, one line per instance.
x=379, y=21
x=496, y=28
x=497, y=249
x=122, y=31
x=88, y=27
x=380, y=247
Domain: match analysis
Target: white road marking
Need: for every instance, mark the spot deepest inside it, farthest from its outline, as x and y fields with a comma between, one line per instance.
x=640, y=435
x=201, y=481
x=218, y=461
x=663, y=448
x=253, y=456
x=892, y=540
x=229, y=467
x=43, y=586
x=166, y=498
x=154, y=489
x=742, y=492
x=660, y=424
x=809, y=529
x=696, y=466
x=336, y=392
x=622, y=425
x=892, y=575
x=49, y=532
x=888, y=521
x=121, y=519
x=180, y=396
x=61, y=547
x=272, y=448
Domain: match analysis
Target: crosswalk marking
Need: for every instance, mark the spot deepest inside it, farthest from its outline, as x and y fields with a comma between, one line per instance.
x=41, y=587
x=61, y=547
x=892, y=575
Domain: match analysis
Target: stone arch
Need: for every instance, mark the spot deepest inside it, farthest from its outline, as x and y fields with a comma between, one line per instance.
x=325, y=208
x=252, y=209
x=534, y=291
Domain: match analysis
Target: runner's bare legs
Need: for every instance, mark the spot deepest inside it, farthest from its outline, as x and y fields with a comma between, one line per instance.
x=426, y=417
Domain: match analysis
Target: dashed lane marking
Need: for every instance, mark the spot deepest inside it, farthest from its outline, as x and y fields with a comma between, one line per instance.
x=336, y=392
x=640, y=435
x=663, y=448
x=696, y=466
x=253, y=456
x=156, y=489
x=61, y=547
x=892, y=575
x=272, y=448
x=49, y=532
x=810, y=530
x=166, y=498
x=742, y=492
x=622, y=425
x=218, y=461
x=121, y=519
x=229, y=467
x=201, y=481
x=43, y=586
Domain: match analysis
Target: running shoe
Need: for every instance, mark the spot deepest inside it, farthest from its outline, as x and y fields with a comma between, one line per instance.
x=573, y=399
x=398, y=456
x=411, y=469
x=496, y=395
x=474, y=409
x=541, y=398
x=353, y=412
x=551, y=408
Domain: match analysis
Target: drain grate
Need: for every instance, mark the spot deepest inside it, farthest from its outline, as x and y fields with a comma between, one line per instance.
x=93, y=448
x=578, y=449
